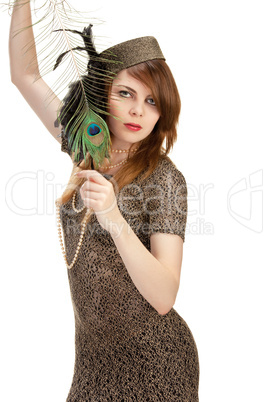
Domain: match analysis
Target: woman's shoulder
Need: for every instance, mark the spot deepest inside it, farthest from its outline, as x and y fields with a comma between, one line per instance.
x=166, y=169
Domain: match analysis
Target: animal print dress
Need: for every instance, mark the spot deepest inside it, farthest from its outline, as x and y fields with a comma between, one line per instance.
x=124, y=349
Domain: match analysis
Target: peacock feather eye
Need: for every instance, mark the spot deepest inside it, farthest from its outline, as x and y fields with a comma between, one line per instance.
x=89, y=133
x=93, y=129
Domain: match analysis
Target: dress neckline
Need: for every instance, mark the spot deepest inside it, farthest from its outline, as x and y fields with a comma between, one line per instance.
x=102, y=173
x=106, y=174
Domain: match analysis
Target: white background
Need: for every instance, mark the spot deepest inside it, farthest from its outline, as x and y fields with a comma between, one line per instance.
x=218, y=54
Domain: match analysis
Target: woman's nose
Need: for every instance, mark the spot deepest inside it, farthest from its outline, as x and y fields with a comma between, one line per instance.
x=137, y=109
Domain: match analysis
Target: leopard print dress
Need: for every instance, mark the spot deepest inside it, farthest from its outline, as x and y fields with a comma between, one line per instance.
x=124, y=349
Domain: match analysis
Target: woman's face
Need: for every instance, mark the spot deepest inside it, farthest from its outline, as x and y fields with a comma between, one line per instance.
x=133, y=111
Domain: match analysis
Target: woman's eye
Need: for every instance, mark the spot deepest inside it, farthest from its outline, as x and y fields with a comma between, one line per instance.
x=151, y=101
x=125, y=94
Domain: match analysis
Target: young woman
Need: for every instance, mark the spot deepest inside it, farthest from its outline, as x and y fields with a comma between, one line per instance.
x=124, y=225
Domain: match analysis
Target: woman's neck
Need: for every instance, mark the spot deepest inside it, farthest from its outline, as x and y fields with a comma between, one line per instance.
x=118, y=157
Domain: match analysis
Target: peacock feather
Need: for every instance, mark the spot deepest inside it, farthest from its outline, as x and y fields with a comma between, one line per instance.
x=83, y=110
x=86, y=130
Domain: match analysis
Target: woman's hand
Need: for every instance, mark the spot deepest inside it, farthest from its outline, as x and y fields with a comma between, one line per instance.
x=98, y=194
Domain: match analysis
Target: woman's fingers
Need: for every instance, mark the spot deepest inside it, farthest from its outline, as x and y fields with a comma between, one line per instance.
x=92, y=175
x=96, y=191
x=95, y=183
x=98, y=194
x=93, y=187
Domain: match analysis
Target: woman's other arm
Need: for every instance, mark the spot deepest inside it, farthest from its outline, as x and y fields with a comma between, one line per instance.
x=24, y=68
x=156, y=274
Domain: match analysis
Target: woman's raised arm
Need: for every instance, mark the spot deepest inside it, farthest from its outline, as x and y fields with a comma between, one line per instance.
x=24, y=68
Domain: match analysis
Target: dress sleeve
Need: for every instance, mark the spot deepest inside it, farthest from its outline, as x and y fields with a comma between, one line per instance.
x=64, y=145
x=167, y=202
x=64, y=142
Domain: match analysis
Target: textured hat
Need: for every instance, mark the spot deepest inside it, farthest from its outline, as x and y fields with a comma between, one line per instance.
x=130, y=53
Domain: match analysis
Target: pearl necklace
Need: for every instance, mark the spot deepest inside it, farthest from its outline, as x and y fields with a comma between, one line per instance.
x=83, y=224
x=88, y=213
x=124, y=150
x=74, y=208
x=120, y=163
x=113, y=166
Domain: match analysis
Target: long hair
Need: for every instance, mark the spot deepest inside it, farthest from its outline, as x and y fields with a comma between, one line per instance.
x=156, y=75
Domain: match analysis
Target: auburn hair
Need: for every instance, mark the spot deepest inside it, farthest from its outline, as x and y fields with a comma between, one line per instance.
x=156, y=75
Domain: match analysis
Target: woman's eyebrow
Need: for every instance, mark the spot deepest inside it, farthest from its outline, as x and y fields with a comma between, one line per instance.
x=128, y=88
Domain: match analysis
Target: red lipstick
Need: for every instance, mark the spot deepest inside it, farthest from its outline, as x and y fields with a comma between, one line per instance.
x=133, y=126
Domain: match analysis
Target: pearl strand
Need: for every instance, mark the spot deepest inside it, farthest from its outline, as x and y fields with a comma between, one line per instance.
x=113, y=166
x=83, y=224
x=73, y=202
x=120, y=163
x=124, y=150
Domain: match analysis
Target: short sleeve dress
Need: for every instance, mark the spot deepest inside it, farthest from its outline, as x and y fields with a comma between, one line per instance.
x=124, y=349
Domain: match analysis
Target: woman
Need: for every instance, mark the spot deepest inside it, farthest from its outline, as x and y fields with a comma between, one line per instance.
x=124, y=226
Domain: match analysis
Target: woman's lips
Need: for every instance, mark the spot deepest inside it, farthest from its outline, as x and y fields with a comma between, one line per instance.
x=133, y=126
